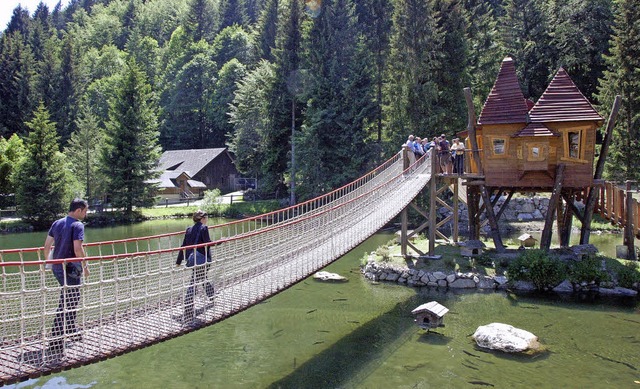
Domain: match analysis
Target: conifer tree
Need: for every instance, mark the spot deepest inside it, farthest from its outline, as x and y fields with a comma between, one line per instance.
x=483, y=49
x=17, y=69
x=266, y=30
x=411, y=89
x=131, y=152
x=622, y=78
x=232, y=12
x=42, y=178
x=83, y=153
x=200, y=22
x=65, y=110
x=451, y=73
x=223, y=93
x=332, y=149
x=374, y=19
x=526, y=39
x=11, y=152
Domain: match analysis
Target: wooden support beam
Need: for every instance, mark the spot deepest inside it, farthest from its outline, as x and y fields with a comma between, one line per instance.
x=493, y=223
x=504, y=205
x=471, y=128
x=432, y=205
x=592, y=197
x=565, y=217
x=576, y=211
x=545, y=239
x=472, y=208
x=629, y=233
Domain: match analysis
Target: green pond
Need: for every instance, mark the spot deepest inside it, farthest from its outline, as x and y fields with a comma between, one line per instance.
x=361, y=335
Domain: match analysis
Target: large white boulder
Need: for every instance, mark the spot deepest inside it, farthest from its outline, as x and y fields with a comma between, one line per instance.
x=505, y=337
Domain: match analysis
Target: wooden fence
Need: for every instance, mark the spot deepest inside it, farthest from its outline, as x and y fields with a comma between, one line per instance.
x=617, y=204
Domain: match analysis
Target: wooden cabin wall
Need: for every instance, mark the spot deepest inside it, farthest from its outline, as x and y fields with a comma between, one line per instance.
x=517, y=167
x=500, y=169
x=578, y=172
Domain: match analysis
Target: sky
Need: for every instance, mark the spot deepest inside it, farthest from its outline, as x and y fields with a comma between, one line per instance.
x=7, y=6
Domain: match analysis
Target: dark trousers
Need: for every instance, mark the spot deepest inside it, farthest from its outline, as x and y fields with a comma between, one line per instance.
x=458, y=164
x=198, y=278
x=65, y=320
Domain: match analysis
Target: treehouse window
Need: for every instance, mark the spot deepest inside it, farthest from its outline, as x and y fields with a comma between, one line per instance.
x=498, y=147
x=574, y=144
x=537, y=151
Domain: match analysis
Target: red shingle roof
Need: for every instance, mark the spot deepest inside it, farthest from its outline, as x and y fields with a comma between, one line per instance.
x=562, y=102
x=506, y=103
x=535, y=129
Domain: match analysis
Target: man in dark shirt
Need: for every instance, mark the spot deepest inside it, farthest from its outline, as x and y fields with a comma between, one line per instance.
x=67, y=235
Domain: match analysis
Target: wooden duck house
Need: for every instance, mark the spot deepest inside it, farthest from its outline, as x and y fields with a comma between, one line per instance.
x=430, y=315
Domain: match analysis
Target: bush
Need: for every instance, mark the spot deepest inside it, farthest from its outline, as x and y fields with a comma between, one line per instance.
x=538, y=267
x=588, y=270
x=384, y=253
x=449, y=263
x=628, y=275
x=212, y=202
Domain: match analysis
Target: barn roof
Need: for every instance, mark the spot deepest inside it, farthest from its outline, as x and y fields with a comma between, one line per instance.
x=433, y=307
x=188, y=161
x=563, y=102
x=535, y=129
x=506, y=103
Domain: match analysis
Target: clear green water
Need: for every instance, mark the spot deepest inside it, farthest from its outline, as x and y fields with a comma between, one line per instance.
x=361, y=335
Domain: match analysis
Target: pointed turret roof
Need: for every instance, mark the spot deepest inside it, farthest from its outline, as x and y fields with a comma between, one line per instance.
x=563, y=102
x=506, y=103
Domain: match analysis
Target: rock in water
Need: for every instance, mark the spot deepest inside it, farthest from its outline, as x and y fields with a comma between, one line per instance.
x=326, y=276
x=504, y=337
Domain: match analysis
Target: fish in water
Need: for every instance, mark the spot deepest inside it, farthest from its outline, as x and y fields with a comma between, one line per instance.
x=470, y=367
x=481, y=383
x=277, y=332
x=311, y=311
x=324, y=331
x=470, y=354
x=319, y=342
x=339, y=299
x=630, y=366
x=412, y=368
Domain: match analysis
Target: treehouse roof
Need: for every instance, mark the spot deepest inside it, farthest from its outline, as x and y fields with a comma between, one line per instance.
x=535, y=129
x=562, y=101
x=506, y=103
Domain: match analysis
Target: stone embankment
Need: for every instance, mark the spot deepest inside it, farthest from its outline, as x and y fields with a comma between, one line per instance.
x=418, y=278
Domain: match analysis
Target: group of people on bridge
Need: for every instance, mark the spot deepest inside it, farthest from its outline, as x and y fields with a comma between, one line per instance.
x=449, y=158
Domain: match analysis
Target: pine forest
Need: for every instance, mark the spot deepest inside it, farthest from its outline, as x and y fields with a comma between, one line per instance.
x=92, y=93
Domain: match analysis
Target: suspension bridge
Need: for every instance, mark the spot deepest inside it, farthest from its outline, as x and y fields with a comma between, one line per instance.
x=134, y=294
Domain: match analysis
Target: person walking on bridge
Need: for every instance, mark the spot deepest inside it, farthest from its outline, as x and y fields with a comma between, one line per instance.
x=66, y=236
x=199, y=259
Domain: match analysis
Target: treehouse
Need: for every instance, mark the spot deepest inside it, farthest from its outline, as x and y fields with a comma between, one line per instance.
x=519, y=146
x=522, y=143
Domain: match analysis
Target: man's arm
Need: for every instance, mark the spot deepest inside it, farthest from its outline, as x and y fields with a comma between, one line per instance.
x=79, y=252
x=48, y=243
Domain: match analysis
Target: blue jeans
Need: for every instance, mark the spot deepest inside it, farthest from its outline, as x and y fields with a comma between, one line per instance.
x=198, y=277
x=65, y=320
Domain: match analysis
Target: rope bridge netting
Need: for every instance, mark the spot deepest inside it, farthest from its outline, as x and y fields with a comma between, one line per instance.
x=134, y=295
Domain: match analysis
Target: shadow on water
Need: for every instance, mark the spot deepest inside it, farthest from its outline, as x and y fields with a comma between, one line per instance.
x=353, y=355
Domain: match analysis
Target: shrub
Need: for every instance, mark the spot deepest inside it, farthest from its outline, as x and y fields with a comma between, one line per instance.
x=384, y=253
x=212, y=202
x=538, y=267
x=588, y=270
x=449, y=263
x=628, y=275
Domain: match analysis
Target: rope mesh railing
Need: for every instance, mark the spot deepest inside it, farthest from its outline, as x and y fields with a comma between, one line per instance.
x=135, y=294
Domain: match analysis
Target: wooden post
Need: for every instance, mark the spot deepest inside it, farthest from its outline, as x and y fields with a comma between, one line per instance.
x=629, y=235
x=471, y=128
x=472, y=208
x=493, y=223
x=433, y=189
x=566, y=221
x=455, y=209
x=592, y=197
x=404, y=217
x=545, y=239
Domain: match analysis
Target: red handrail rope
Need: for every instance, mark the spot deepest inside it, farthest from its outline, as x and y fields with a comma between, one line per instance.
x=254, y=232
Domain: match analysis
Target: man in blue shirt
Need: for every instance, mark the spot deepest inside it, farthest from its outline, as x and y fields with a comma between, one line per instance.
x=67, y=235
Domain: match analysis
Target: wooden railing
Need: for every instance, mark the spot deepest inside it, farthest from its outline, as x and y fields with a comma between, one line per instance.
x=617, y=204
